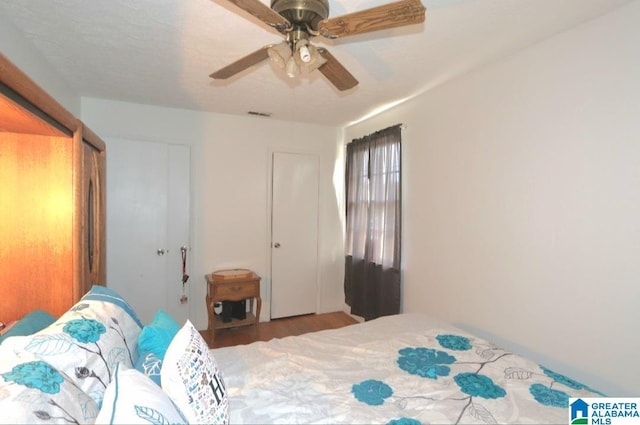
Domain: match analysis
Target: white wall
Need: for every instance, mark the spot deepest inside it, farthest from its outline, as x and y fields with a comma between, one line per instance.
x=230, y=160
x=26, y=57
x=522, y=201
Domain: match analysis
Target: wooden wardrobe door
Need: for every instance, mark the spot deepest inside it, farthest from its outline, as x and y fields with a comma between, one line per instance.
x=93, y=217
x=36, y=222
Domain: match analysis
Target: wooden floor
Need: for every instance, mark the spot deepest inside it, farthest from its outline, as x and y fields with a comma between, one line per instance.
x=278, y=328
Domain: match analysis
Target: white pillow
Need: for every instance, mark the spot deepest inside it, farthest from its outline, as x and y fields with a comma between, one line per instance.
x=190, y=376
x=33, y=391
x=132, y=398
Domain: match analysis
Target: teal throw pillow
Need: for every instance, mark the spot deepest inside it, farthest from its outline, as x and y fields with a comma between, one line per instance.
x=29, y=324
x=153, y=343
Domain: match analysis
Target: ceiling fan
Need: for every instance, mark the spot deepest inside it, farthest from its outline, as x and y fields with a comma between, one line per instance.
x=301, y=20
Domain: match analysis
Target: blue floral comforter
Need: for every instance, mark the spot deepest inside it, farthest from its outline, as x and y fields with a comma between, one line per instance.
x=393, y=370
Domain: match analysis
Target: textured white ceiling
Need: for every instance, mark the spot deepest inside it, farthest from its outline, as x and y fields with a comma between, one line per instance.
x=161, y=52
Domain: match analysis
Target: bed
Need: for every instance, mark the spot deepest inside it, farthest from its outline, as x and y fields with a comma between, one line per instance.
x=404, y=369
x=97, y=363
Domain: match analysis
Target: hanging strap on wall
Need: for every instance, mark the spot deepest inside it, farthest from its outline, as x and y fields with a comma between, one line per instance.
x=185, y=276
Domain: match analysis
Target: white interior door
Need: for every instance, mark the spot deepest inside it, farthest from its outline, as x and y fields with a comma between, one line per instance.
x=148, y=211
x=294, y=234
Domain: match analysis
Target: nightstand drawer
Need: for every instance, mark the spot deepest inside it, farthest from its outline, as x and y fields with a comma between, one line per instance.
x=235, y=290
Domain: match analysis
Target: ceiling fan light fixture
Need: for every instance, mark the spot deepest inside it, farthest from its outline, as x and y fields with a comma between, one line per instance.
x=305, y=54
x=292, y=68
x=315, y=62
x=303, y=50
x=280, y=53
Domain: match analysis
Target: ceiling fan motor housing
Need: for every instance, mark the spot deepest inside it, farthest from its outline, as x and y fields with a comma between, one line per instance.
x=302, y=13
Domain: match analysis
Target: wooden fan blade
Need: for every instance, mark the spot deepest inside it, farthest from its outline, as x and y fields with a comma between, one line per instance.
x=241, y=64
x=398, y=14
x=264, y=13
x=335, y=72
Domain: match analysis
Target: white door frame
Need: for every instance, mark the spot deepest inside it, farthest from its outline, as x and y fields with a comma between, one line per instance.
x=266, y=306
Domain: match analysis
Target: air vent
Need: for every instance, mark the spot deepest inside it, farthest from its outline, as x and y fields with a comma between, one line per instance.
x=259, y=114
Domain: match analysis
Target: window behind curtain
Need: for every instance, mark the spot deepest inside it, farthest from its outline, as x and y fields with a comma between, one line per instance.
x=373, y=201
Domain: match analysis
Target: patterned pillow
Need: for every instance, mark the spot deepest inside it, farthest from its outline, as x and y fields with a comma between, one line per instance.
x=132, y=398
x=153, y=343
x=88, y=341
x=33, y=391
x=190, y=376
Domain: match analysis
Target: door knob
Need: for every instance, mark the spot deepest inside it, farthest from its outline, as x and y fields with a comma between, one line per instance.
x=276, y=245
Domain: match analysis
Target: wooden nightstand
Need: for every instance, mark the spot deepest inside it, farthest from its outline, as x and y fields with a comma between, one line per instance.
x=233, y=289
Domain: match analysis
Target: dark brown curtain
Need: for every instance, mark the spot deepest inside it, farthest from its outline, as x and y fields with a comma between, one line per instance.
x=373, y=225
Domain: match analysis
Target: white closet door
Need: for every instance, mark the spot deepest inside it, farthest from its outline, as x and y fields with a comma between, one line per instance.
x=294, y=248
x=148, y=211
